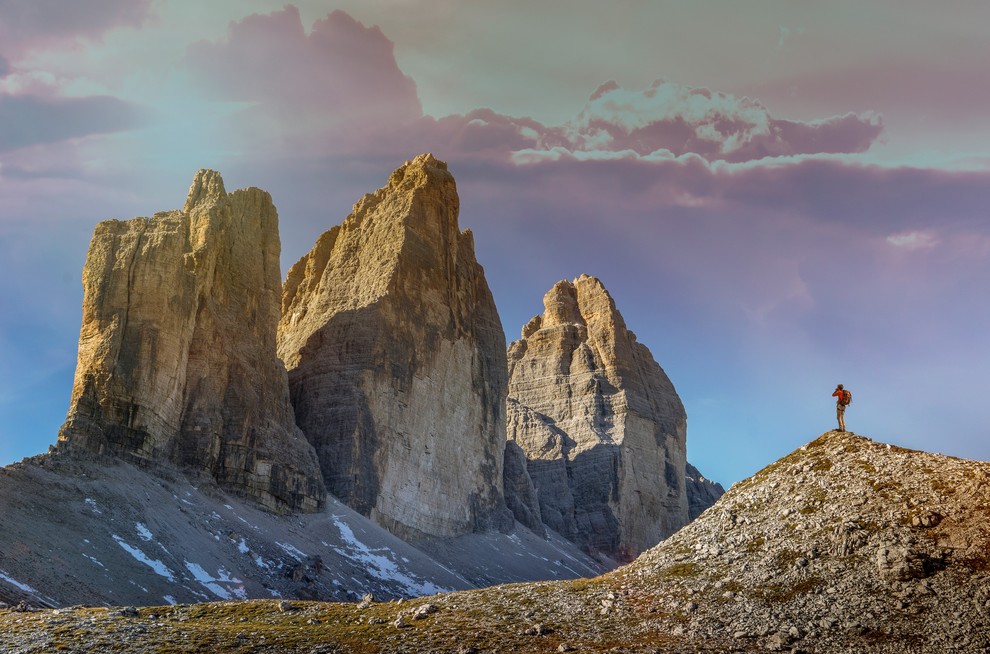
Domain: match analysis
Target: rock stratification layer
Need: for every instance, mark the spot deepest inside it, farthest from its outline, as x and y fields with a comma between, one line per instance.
x=600, y=423
x=177, y=360
x=396, y=360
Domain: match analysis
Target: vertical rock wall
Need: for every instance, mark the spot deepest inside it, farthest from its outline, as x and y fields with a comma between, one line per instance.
x=396, y=360
x=600, y=423
x=701, y=492
x=177, y=360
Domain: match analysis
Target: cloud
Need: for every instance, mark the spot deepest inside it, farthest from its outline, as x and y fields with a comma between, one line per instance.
x=913, y=240
x=339, y=88
x=668, y=117
x=662, y=123
x=27, y=120
x=341, y=77
x=5, y=68
x=27, y=25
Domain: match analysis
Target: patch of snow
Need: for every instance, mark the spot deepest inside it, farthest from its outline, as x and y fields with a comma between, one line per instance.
x=379, y=566
x=261, y=563
x=94, y=560
x=91, y=503
x=14, y=582
x=229, y=507
x=212, y=583
x=169, y=599
x=274, y=593
x=160, y=568
x=292, y=551
x=143, y=531
x=246, y=522
x=242, y=547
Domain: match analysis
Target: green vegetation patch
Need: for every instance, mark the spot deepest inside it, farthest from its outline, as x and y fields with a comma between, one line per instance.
x=682, y=570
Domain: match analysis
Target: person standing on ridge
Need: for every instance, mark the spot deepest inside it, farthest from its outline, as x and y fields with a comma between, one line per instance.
x=844, y=398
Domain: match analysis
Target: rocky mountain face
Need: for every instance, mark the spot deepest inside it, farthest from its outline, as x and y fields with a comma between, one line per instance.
x=601, y=426
x=845, y=545
x=701, y=492
x=87, y=529
x=177, y=362
x=396, y=361
x=181, y=456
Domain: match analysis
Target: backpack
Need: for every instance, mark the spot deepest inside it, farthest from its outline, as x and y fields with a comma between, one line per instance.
x=847, y=398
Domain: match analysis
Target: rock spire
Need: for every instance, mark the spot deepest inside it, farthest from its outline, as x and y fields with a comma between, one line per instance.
x=600, y=423
x=396, y=360
x=177, y=361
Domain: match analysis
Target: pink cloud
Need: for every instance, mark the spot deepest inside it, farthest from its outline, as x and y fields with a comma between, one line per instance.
x=659, y=124
x=339, y=88
x=33, y=110
x=27, y=25
x=340, y=80
x=668, y=117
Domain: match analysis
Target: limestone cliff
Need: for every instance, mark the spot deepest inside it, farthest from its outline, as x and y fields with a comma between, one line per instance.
x=702, y=493
x=177, y=360
x=396, y=360
x=600, y=423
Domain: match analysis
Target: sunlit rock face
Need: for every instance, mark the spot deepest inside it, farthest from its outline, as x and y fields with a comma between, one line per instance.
x=600, y=423
x=396, y=360
x=177, y=362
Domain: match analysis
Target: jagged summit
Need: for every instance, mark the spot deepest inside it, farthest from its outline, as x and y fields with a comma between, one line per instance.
x=177, y=361
x=601, y=425
x=396, y=360
x=207, y=187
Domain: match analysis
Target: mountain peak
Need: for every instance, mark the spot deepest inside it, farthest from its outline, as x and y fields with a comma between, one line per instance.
x=601, y=425
x=207, y=186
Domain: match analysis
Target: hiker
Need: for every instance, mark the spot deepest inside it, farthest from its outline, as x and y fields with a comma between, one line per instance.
x=844, y=398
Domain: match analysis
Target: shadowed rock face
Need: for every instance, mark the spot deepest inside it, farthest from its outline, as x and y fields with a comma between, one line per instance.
x=600, y=423
x=396, y=360
x=702, y=493
x=177, y=359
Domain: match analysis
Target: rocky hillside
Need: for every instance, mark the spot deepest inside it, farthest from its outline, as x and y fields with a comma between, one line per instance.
x=601, y=427
x=845, y=545
x=396, y=360
x=85, y=529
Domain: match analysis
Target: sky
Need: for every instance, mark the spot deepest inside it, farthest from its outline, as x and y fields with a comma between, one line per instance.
x=780, y=196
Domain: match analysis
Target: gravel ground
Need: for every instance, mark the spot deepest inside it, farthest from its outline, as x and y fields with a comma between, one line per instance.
x=842, y=546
